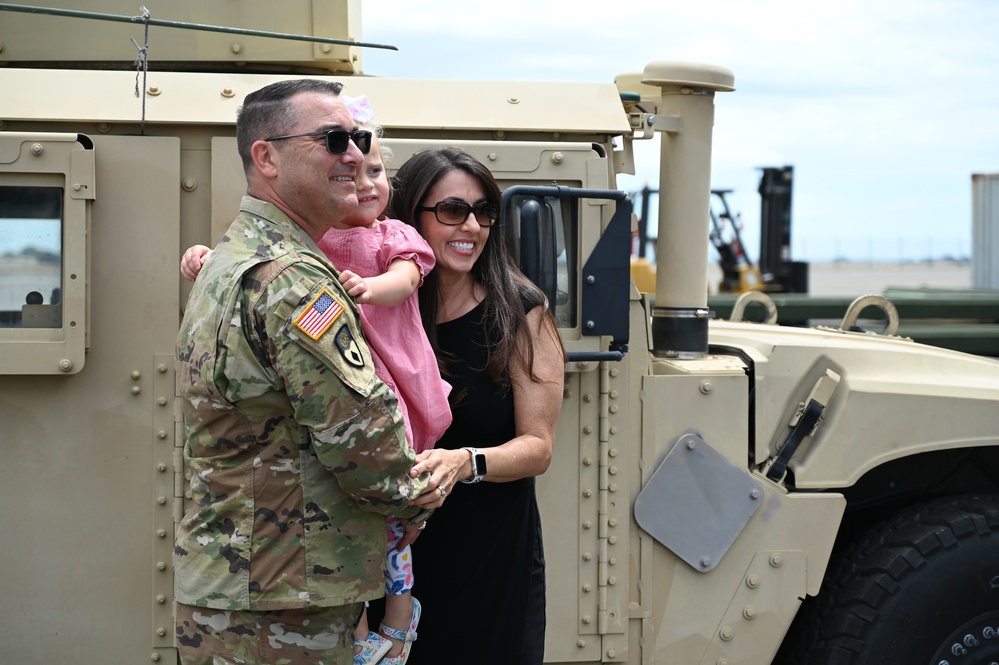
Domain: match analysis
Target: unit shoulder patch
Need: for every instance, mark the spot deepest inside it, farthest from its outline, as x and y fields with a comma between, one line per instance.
x=347, y=345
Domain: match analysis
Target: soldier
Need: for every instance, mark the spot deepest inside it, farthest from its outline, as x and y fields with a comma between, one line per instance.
x=297, y=452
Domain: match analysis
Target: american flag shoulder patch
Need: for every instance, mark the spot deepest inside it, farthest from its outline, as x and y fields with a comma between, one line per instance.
x=319, y=315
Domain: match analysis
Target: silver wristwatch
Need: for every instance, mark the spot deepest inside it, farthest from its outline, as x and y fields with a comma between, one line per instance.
x=478, y=465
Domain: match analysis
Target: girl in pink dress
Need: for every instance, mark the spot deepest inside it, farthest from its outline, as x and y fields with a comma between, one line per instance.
x=382, y=262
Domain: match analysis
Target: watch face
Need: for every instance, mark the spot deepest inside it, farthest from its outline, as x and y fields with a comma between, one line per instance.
x=480, y=464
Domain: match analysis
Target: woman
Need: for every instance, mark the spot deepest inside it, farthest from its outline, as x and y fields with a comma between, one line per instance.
x=480, y=574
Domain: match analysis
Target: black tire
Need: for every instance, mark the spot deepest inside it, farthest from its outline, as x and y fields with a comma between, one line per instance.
x=921, y=588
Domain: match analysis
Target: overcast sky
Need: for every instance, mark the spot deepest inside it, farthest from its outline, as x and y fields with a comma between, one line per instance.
x=883, y=107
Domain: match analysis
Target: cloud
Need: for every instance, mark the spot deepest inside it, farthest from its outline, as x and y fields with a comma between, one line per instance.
x=885, y=108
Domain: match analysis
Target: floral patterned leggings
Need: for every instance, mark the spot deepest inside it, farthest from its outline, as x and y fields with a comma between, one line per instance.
x=398, y=565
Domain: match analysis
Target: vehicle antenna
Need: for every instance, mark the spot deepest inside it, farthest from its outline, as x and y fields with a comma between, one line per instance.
x=188, y=26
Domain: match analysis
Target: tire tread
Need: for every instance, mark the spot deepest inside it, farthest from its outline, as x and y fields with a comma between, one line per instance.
x=830, y=629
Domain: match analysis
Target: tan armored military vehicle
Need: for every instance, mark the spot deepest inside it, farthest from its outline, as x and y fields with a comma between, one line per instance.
x=721, y=492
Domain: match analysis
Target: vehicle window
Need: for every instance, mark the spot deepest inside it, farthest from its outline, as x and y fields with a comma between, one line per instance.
x=31, y=257
x=545, y=251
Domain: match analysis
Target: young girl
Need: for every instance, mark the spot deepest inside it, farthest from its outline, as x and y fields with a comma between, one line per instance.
x=382, y=262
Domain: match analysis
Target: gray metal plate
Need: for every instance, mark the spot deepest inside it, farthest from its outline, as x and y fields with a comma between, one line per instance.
x=697, y=502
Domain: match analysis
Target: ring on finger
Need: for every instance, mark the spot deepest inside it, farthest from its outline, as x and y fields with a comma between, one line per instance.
x=442, y=491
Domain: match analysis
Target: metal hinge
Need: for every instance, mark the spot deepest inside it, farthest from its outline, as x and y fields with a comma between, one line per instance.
x=166, y=508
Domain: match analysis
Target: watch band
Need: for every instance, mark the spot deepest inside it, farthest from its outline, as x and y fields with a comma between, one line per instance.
x=478, y=465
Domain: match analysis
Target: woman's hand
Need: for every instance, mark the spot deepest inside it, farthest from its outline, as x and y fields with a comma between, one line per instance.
x=446, y=467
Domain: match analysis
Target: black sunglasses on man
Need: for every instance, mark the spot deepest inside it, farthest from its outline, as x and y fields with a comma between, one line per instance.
x=336, y=139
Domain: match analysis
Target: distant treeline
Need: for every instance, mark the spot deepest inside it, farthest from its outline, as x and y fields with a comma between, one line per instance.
x=33, y=254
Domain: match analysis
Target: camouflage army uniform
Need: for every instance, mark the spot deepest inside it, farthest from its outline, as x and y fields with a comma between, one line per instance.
x=320, y=636
x=297, y=450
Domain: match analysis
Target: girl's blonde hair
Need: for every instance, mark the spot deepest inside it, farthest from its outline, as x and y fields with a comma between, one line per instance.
x=362, y=113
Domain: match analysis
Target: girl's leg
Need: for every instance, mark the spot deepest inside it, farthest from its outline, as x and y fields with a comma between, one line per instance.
x=398, y=565
x=361, y=631
x=398, y=612
x=398, y=586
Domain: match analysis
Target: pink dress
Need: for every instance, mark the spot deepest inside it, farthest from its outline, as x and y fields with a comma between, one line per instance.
x=399, y=346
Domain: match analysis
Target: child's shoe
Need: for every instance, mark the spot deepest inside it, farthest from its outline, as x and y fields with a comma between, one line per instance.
x=406, y=637
x=372, y=649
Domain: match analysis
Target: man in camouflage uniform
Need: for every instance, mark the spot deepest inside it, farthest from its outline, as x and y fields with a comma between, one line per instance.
x=297, y=451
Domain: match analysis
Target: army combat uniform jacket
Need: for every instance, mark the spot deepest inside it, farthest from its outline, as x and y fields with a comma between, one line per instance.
x=296, y=450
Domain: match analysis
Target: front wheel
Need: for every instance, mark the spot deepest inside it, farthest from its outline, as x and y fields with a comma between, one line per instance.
x=919, y=589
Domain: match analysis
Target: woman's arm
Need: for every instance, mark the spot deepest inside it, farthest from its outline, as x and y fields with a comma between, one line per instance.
x=536, y=409
x=392, y=287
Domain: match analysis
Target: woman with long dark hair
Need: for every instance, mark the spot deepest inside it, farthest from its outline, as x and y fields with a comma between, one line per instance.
x=481, y=576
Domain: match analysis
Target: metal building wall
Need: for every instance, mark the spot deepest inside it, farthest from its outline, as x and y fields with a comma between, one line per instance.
x=985, y=230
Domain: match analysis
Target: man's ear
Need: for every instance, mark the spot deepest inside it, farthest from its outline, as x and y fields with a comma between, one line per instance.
x=265, y=157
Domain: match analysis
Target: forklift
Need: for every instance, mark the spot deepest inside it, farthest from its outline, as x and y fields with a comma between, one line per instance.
x=775, y=271
x=738, y=272
x=779, y=273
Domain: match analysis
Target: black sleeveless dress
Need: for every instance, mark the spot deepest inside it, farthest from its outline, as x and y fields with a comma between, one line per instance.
x=479, y=566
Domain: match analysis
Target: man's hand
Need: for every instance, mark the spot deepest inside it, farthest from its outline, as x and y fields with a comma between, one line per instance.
x=412, y=532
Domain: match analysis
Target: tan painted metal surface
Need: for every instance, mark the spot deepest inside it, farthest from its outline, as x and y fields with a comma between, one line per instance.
x=93, y=479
